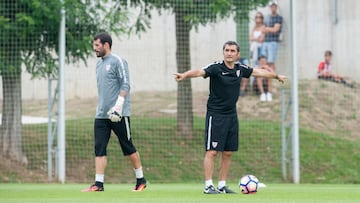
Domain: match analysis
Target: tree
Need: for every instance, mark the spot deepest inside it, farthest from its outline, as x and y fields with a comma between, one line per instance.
x=29, y=33
x=189, y=14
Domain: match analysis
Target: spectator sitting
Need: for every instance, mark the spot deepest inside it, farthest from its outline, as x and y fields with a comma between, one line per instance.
x=262, y=63
x=325, y=71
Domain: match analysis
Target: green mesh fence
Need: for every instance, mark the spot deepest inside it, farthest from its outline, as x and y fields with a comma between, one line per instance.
x=158, y=39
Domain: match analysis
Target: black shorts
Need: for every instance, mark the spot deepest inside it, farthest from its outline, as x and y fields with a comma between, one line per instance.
x=102, y=132
x=221, y=133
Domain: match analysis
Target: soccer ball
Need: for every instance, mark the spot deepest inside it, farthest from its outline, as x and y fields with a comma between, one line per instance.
x=249, y=184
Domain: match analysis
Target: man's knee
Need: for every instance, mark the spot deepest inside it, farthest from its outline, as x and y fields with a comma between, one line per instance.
x=227, y=153
x=211, y=153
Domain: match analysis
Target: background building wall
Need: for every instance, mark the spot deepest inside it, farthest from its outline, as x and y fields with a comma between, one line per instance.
x=152, y=62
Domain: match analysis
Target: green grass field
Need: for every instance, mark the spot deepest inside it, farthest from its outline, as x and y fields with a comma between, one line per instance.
x=187, y=192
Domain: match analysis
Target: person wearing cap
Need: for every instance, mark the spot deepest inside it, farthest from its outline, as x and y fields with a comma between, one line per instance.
x=272, y=39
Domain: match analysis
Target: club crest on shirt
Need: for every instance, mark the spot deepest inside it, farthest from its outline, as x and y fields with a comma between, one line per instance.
x=238, y=73
x=107, y=67
x=214, y=144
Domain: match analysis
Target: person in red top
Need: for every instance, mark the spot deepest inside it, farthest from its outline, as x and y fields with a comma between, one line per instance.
x=325, y=71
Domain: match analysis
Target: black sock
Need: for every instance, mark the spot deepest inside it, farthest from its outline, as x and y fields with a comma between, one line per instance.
x=99, y=184
x=140, y=180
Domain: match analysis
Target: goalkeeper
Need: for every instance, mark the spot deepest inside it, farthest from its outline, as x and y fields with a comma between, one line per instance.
x=113, y=112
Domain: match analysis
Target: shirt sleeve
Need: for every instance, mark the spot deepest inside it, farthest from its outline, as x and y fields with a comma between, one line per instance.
x=124, y=75
x=209, y=70
x=246, y=70
x=279, y=20
x=321, y=67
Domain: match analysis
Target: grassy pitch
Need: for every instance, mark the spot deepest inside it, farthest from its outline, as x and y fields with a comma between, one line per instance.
x=187, y=193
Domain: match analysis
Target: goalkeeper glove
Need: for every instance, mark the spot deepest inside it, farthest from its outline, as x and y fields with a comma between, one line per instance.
x=115, y=113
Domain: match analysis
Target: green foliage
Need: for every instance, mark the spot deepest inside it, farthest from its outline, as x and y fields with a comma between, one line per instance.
x=197, y=12
x=30, y=32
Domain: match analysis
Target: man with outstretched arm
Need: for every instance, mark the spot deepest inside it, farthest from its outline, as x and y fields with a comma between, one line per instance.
x=221, y=128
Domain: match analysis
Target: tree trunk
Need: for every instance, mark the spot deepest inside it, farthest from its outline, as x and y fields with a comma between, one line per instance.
x=184, y=93
x=11, y=127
